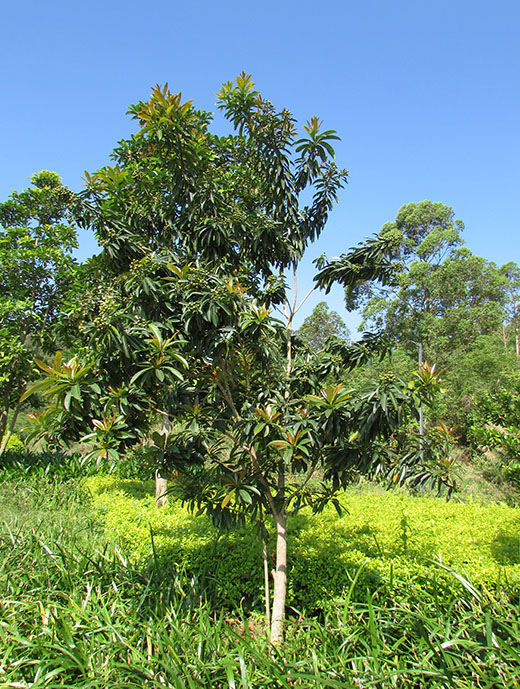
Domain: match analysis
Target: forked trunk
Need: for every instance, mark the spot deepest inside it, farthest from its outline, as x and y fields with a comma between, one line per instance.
x=280, y=577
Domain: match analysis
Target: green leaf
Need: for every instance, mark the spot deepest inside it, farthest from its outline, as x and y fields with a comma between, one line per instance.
x=137, y=375
x=44, y=367
x=75, y=391
x=40, y=385
x=245, y=496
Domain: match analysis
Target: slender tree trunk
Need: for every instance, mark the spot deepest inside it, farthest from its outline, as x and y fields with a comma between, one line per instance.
x=267, y=592
x=9, y=431
x=504, y=335
x=161, y=480
x=4, y=415
x=161, y=488
x=280, y=577
x=280, y=573
x=421, y=408
x=265, y=555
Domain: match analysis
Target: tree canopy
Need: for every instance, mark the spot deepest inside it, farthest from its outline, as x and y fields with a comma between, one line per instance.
x=321, y=325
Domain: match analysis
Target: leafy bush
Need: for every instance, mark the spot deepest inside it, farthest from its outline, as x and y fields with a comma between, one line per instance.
x=15, y=463
x=227, y=566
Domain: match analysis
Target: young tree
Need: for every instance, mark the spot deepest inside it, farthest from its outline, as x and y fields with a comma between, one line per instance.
x=199, y=233
x=37, y=236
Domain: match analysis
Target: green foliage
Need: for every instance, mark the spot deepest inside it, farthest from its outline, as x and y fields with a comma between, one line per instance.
x=321, y=325
x=443, y=295
x=226, y=565
x=37, y=236
x=15, y=464
x=496, y=426
x=391, y=539
x=15, y=445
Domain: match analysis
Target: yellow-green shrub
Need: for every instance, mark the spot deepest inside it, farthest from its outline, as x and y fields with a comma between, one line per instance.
x=226, y=566
x=397, y=540
x=14, y=444
x=393, y=539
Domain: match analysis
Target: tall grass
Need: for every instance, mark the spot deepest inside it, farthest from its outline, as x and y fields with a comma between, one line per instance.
x=76, y=612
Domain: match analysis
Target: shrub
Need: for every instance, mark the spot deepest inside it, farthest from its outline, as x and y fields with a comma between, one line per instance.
x=392, y=539
x=25, y=463
x=226, y=567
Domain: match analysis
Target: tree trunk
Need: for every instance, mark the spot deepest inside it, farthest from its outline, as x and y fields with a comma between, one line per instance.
x=9, y=432
x=4, y=415
x=161, y=480
x=267, y=591
x=280, y=577
x=161, y=488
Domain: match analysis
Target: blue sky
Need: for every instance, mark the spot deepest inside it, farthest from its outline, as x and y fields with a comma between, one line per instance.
x=425, y=96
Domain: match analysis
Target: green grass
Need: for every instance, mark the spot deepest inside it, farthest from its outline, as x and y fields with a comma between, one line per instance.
x=77, y=610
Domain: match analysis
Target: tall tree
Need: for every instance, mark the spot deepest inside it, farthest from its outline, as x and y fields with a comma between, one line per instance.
x=511, y=272
x=460, y=308
x=443, y=293
x=37, y=236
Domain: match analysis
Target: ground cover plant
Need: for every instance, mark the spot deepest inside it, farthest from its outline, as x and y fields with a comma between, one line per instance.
x=393, y=539
x=79, y=611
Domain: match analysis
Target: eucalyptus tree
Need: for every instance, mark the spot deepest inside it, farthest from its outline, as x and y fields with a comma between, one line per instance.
x=443, y=296
x=37, y=236
x=460, y=308
x=199, y=233
x=422, y=236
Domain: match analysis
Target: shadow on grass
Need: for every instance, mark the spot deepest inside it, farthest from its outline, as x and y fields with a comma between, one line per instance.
x=506, y=548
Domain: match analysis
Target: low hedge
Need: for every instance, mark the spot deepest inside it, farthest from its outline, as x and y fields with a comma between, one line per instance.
x=388, y=542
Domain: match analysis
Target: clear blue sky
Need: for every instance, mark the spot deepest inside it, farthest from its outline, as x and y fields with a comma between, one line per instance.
x=425, y=95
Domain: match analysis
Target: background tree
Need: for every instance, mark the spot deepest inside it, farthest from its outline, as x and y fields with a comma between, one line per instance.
x=458, y=306
x=321, y=325
x=511, y=272
x=421, y=237
x=38, y=234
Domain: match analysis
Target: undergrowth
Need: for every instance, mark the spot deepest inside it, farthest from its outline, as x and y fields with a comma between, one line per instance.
x=78, y=610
